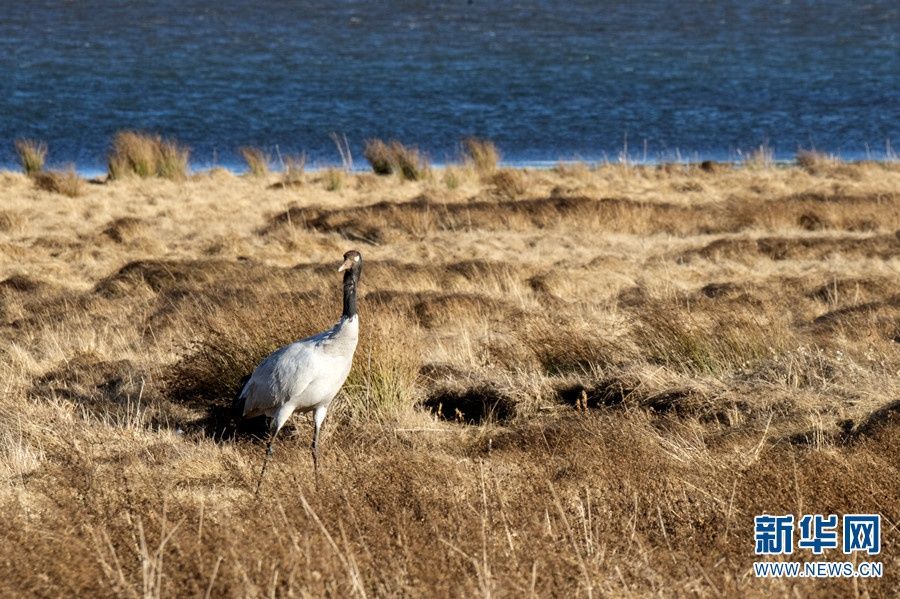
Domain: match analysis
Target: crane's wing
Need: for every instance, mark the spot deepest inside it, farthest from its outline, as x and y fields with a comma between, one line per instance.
x=283, y=375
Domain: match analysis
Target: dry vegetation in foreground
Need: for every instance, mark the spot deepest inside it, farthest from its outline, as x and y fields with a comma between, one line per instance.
x=584, y=381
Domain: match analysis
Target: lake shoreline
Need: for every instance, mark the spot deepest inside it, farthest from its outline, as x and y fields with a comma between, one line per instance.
x=237, y=169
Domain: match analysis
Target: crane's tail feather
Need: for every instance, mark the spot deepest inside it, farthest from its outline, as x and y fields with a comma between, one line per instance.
x=239, y=400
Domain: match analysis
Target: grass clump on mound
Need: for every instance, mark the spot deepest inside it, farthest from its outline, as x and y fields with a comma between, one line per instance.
x=294, y=169
x=379, y=156
x=394, y=157
x=257, y=161
x=66, y=182
x=31, y=155
x=816, y=163
x=760, y=158
x=333, y=179
x=482, y=154
x=145, y=155
x=509, y=183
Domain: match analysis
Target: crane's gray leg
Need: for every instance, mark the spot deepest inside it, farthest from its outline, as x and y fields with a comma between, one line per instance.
x=275, y=426
x=269, y=452
x=319, y=418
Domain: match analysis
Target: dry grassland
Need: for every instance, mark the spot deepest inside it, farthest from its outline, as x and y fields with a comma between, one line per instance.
x=574, y=382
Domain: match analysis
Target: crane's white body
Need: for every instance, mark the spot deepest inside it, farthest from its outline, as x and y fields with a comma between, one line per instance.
x=305, y=375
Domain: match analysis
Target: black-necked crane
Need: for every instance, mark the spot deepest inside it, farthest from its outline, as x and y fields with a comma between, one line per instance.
x=306, y=375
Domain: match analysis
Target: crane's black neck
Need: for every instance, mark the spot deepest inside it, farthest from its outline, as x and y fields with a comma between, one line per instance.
x=351, y=280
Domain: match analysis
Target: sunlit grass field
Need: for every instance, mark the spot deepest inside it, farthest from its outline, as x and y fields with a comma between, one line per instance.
x=580, y=381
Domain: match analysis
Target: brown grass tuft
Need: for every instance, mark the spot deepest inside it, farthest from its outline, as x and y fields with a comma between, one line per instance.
x=509, y=183
x=124, y=229
x=816, y=163
x=257, y=161
x=384, y=389
x=10, y=221
x=395, y=157
x=333, y=179
x=146, y=155
x=482, y=154
x=411, y=163
x=452, y=177
x=294, y=171
x=711, y=166
x=67, y=182
x=31, y=155
x=762, y=157
x=211, y=371
x=105, y=388
x=379, y=156
x=21, y=283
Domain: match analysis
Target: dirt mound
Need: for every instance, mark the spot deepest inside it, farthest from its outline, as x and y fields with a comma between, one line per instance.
x=381, y=222
x=93, y=383
x=163, y=275
x=882, y=423
x=159, y=275
x=345, y=222
x=815, y=211
x=29, y=303
x=22, y=284
x=880, y=319
x=385, y=221
x=780, y=248
x=441, y=309
x=397, y=274
x=796, y=248
x=879, y=431
x=728, y=248
x=854, y=290
x=722, y=290
x=842, y=197
x=482, y=269
x=434, y=309
x=124, y=229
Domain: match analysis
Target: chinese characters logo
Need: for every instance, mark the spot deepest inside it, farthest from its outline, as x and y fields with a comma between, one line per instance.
x=774, y=535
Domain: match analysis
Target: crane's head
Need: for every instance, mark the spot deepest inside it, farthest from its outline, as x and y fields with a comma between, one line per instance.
x=352, y=261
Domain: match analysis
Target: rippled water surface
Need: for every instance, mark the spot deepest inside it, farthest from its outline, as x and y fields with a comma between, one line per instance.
x=545, y=80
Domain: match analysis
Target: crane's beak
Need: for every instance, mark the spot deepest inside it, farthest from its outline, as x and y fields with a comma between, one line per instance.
x=347, y=265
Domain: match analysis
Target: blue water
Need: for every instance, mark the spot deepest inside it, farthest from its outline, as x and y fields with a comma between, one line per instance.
x=546, y=81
